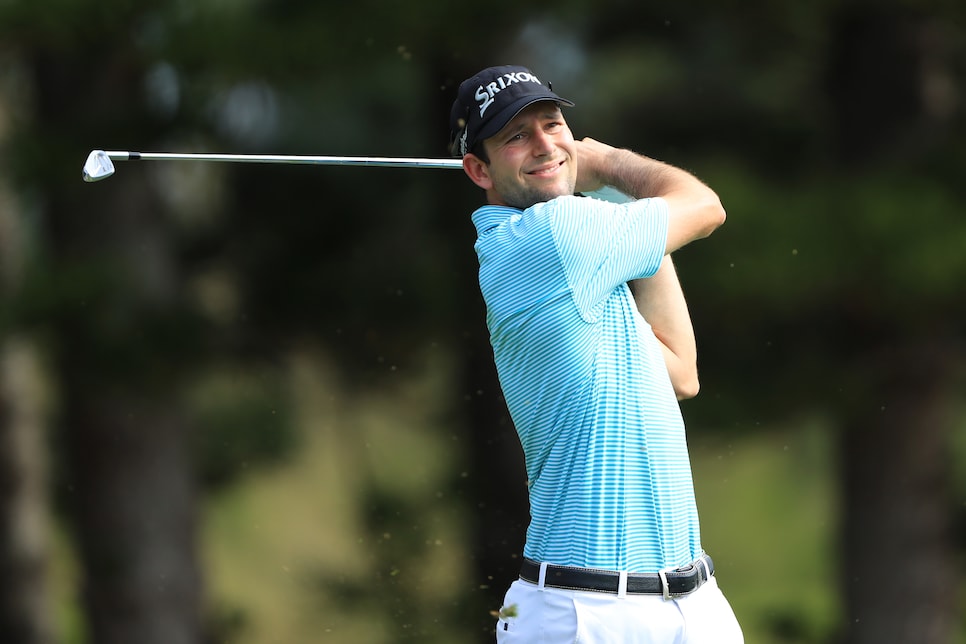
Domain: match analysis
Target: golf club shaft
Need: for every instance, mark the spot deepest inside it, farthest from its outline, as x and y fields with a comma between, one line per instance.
x=383, y=162
x=100, y=164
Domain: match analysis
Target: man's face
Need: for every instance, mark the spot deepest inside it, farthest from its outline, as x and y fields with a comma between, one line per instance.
x=532, y=159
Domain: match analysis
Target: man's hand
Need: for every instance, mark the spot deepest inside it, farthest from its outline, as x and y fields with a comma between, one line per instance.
x=594, y=164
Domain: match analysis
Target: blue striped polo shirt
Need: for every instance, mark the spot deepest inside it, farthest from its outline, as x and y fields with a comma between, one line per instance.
x=585, y=382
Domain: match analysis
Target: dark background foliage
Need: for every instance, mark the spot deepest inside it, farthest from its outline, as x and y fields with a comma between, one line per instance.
x=229, y=388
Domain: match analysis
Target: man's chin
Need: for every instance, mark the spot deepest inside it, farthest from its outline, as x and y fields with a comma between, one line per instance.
x=532, y=197
x=531, y=200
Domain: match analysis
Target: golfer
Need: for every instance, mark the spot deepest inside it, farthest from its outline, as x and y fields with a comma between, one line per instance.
x=593, y=346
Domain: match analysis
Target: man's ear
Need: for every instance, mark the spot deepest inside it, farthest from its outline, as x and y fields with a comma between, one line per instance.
x=477, y=171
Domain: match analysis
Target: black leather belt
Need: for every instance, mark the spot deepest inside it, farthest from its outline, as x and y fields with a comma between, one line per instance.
x=670, y=583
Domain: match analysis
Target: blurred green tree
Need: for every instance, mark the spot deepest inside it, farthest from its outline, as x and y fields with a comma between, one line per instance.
x=829, y=129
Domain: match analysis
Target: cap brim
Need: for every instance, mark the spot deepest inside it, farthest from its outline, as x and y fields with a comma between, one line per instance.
x=498, y=122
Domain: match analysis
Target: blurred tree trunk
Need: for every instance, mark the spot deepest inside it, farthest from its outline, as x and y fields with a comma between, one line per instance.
x=25, y=615
x=898, y=564
x=122, y=344
x=131, y=482
x=133, y=503
x=24, y=607
x=898, y=568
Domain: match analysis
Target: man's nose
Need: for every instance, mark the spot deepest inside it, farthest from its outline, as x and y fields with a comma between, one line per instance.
x=543, y=143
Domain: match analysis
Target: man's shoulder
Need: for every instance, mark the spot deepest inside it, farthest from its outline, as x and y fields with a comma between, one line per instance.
x=489, y=216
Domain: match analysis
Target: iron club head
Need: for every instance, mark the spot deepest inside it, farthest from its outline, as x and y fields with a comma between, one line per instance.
x=98, y=166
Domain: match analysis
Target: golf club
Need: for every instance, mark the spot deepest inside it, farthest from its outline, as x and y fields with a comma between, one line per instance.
x=100, y=163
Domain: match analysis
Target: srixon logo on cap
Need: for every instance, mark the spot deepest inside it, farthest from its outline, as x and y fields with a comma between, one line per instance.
x=486, y=94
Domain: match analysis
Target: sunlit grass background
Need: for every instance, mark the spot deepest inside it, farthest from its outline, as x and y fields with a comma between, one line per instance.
x=292, y=552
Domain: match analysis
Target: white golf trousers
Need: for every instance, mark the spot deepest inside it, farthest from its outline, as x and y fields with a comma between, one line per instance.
x=533, y=615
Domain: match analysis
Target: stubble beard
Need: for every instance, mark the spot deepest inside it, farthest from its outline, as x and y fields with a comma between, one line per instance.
x=522, y=197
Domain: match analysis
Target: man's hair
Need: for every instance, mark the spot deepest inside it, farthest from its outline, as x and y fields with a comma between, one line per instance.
x=478, y=150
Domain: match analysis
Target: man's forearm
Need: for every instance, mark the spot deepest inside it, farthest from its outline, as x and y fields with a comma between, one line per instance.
x=640, y=176
x=695, y=210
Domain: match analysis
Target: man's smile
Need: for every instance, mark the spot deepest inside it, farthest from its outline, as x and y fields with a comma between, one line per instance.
x=547, y=169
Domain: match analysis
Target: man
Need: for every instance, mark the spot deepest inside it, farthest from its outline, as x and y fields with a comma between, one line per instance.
x=593, y=346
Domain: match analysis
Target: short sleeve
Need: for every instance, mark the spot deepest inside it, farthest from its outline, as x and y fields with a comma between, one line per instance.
x=603, y=245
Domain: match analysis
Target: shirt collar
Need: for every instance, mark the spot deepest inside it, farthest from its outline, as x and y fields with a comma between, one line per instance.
x=489, y=216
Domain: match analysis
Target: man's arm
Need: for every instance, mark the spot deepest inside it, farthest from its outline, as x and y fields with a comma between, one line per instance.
x=695, y=212
x=660, y=301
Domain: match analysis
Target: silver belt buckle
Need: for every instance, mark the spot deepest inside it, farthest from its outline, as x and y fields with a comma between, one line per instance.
x=662, y=575
x=690, y=568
